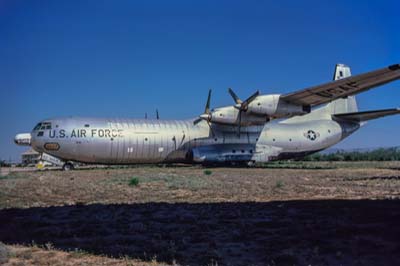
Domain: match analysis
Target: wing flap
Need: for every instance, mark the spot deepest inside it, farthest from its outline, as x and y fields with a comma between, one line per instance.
x=344, y=87
x=368, y=115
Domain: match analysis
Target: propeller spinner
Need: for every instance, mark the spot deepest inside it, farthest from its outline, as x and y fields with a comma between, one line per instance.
x=242, y=105
x=207, y=114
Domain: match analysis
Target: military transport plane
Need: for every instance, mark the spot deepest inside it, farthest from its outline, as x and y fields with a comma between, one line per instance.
x=261, y=128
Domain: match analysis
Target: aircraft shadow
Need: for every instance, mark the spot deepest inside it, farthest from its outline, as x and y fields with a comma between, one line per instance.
x=316, y=232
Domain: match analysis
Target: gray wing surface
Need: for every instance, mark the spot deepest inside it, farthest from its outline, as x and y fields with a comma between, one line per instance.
x=344, y=87
x=368, y=115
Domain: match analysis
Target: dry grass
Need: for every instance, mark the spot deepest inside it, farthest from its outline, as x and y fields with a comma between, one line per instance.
x=33, y=255
x=305, y=213
x=190, y=184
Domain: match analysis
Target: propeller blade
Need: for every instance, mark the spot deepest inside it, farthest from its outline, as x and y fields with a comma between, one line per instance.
x=207, y=109
x=207, y=113
x=198, y=120
x=250, y=99
x=239, y=122
x=234, y=96
x=211, y=129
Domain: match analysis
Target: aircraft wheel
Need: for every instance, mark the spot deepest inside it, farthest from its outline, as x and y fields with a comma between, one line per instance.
x=251, y=164
x=68, y=167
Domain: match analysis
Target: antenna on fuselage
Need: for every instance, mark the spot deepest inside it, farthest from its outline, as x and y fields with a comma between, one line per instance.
x=145, y=115
x=157, y=115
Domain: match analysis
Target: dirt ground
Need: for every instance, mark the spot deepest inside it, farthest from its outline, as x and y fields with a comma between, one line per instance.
x=301, y=214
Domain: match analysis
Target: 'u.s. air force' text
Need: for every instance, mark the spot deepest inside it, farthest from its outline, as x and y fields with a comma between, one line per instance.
x=86, y=133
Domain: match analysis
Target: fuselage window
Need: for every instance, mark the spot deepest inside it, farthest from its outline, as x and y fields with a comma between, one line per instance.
x=40, y=134
x=87, y=125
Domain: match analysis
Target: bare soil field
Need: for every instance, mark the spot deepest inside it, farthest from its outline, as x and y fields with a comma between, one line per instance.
x=296, y=214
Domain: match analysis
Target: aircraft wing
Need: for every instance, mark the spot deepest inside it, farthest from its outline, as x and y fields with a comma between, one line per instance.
x=368, y=115
x=344, y=87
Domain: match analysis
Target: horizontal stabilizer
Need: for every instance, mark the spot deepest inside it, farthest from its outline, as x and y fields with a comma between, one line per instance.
x=368, y=115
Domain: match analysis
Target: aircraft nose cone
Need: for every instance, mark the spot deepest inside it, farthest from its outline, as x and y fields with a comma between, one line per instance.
x=23, y=139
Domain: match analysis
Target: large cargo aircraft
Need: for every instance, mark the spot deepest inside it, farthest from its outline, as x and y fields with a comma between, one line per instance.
x=261, y=128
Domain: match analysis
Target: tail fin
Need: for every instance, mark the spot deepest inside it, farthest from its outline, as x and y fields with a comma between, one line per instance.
x=344, y=105
x=341, y=71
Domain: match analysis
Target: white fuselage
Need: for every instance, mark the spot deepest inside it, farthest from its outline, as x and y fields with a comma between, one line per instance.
x=128, y=141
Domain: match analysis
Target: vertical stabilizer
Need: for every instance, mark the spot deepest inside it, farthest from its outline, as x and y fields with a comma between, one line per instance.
x=343, y=105
x=341, y=71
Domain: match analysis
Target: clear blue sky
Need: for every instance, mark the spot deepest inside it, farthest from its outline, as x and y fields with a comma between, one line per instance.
x=125, y=58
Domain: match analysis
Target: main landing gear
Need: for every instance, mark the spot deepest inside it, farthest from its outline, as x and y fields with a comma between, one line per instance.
x=68, y=167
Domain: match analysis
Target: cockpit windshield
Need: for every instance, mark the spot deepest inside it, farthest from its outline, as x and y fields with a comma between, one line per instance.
x=43, y=126
x=37, y=127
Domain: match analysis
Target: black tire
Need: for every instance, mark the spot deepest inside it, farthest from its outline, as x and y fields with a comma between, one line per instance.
x=68, y=167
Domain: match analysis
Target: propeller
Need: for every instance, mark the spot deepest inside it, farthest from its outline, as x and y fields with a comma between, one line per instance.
x=207, y=114
x=242, y=106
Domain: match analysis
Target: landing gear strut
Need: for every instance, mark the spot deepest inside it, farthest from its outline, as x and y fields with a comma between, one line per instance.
x=68, y=167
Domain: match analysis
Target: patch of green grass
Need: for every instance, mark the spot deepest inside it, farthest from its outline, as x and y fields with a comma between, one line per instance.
x=78, y=253
x=192, y=183
x=172, y=181
x=13, y=176
x=279, y=184
x=298, y=165
x=4, y=253
x=134, y=182
x=178, y=182
x=207, y=172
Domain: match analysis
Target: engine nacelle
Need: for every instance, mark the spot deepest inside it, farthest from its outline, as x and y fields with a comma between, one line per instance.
x=230, y=116
x=272, y=106
x=224, y=115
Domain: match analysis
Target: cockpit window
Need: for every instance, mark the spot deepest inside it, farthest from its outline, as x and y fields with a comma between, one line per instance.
x=37, y=127
x=43, y=126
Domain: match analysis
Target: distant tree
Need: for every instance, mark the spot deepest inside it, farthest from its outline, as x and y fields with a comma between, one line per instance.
x=381, y=154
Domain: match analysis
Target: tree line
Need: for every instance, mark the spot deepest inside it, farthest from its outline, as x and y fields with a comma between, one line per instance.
x=381, y=154
x=4, y=163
